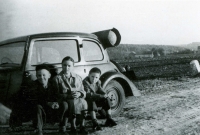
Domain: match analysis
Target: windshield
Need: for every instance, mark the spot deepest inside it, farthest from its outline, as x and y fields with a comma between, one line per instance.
x=12, y=53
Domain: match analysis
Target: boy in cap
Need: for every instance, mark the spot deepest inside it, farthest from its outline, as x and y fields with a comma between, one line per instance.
x=46, y=100
x=71, y=92
x=95, y=96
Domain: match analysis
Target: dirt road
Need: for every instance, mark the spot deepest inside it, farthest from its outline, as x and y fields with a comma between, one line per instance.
x=173, y=108
x=170, y=108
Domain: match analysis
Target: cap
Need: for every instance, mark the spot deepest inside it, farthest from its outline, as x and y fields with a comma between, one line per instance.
x=42, y=66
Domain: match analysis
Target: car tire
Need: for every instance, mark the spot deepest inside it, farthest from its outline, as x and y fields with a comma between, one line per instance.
x=116, y=93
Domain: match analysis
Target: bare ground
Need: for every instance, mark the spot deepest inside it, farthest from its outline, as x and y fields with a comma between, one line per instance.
x=171, y=108
x=167, y=107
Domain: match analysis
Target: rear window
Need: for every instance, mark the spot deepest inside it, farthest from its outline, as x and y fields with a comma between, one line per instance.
x=53, y=51
x=92, y=51
x=12, y=53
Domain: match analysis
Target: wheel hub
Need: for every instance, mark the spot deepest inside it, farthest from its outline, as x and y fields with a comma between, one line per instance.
x=113, y=97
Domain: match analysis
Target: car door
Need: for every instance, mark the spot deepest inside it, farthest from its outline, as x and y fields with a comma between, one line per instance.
x=95, y=56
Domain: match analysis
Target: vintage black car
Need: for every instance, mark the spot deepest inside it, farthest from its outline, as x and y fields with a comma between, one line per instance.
x=19, y=56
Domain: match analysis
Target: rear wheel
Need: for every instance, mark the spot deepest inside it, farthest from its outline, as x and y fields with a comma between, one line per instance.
x=116, y=93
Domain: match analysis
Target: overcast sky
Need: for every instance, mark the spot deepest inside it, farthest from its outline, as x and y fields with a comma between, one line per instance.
x=166, y=22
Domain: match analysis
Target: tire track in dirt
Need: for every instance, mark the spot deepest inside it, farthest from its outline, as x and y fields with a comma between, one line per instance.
x=153, y=97
x=155, y=104
x=172, y=102
x=187, y=117
x=176, y=125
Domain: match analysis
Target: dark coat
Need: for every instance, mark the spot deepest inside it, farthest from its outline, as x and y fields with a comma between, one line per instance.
x=40, y=94
x=95, y=96
x=93, y=91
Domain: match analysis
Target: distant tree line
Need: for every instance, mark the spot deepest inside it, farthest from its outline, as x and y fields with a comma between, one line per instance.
x=123, y=51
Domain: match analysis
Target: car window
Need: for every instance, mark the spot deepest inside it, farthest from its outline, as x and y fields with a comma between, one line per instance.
x=53, y=51
x=12, y=53
x=92, y=51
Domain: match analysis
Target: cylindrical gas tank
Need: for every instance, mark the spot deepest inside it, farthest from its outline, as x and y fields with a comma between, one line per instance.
x=109, y=38
x=195, y=68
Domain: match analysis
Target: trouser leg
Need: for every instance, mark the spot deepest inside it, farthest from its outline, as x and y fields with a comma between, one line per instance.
x=73, y=119
x=83, y=117
x=107, y=108
x=93, y=115
x=39, y=117
x=82, y=126
x=72, y=115
x=105, y=103
x=63, y=113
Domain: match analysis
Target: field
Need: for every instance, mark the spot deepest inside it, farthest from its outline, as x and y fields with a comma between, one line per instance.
x=146, y=68
x=175, y=62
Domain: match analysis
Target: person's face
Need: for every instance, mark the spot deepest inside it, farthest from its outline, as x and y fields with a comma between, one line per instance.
x=43, y=76
x=67, y=66
x=94, y=77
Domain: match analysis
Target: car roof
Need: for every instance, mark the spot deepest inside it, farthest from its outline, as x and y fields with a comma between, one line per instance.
x=50, y=34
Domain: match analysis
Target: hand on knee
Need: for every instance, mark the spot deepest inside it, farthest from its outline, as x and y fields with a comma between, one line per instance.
x=84, y=114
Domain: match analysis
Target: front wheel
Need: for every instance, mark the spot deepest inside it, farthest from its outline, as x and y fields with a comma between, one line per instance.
x=116, y=93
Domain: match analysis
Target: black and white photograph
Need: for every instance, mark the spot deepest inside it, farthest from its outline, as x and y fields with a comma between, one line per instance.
x=104, y=67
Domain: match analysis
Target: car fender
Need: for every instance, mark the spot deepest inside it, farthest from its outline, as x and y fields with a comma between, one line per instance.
x=129, y=88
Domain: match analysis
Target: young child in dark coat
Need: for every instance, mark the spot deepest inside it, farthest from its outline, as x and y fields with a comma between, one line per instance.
x=46, y=100
x=96, y=97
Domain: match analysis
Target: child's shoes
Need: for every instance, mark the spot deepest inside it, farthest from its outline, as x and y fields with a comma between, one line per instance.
x=83, y=131
x=110, y=123
x=37, y=132
x=62, y=130
x=96, y=125
x=74, y=131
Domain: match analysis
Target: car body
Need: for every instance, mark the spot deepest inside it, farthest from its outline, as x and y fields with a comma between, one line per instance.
x=19, y=57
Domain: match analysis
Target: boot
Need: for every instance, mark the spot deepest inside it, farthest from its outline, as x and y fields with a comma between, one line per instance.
x=110, y=122
x=96, y=125
x=74, y=131
x=37, y=132
x=83, y=131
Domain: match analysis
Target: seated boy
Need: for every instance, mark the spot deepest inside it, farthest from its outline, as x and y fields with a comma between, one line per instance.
x=95, y=96
x=71, y=91
x=46, y=100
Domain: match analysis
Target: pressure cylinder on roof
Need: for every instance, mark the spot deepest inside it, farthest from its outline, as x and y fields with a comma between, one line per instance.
x=109, y=38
